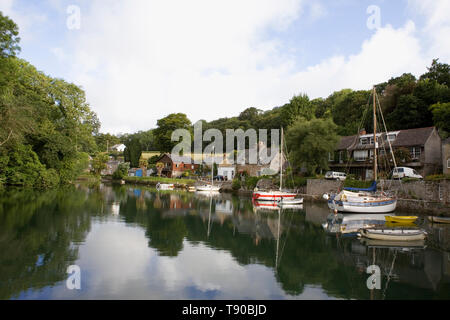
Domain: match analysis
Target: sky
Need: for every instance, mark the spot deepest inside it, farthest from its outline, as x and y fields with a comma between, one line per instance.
x=140, y=60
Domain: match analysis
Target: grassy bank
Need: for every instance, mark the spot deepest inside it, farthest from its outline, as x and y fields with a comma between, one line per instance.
x=155, y=180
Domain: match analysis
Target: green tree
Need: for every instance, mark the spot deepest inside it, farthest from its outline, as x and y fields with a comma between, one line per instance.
x=99, y=162
x=441, y=117
x=9, y=37
x=166, y=126
x=439, y=72
x=133, y=151
x=310, y=142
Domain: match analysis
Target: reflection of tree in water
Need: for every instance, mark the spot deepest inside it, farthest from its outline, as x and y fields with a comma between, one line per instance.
x=307, y=256
x=36, y=235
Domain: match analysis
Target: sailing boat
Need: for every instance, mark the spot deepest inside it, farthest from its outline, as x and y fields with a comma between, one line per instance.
x=365, y=200
x=284, y=197
x=209, y=187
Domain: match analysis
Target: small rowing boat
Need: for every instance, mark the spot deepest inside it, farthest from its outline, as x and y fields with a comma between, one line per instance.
x=439, y=219
x=286, y=202
x=393, y=234
x=401, y=219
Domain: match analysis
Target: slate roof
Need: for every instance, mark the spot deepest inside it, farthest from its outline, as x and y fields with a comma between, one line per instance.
x=405, y=138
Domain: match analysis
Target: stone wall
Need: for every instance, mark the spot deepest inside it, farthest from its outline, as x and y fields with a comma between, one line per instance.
x=435, y=191
x=317, y=187
x=438, y=191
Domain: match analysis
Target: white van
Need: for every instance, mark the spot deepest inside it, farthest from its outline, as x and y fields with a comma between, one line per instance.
x=333, y=175
x=402, y=172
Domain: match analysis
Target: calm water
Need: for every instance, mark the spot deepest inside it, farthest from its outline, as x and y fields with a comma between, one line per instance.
x=136, y=243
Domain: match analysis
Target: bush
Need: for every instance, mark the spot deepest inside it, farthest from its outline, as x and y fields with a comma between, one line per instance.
x=122, y=171
x=437, y=177
x=250, y=182
x=236, y=185
x=351, y=183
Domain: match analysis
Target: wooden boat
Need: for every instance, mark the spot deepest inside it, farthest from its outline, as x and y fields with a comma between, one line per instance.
x=439, y=219
x=401, y=245
x=390, y=224
x=393, y=234
x=401, y=219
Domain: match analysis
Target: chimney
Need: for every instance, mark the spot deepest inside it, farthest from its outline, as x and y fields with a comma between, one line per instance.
x=362, y=132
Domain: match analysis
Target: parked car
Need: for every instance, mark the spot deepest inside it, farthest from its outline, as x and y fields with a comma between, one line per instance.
x=405, y=172
x=333, y=175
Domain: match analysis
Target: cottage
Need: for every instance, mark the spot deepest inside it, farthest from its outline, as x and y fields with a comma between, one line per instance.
x=262, y=169
x=354, y=154
x=226, y=170
x=173, y=169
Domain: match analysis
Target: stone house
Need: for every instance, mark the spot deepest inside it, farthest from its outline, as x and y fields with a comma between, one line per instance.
x=354, y=154
x=446, y=156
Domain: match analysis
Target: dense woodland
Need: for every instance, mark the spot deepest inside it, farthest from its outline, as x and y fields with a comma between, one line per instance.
x=48, y=130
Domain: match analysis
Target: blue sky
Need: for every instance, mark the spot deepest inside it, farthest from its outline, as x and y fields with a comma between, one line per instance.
x=141, y=60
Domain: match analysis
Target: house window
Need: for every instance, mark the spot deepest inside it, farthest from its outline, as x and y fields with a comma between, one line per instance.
x=448, y=163
x=330, y=156
x=391, y=137
x=415, y=153
x=364, y=141
x=360, y=155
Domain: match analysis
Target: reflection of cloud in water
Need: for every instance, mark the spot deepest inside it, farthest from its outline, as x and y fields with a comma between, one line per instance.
x=116, y=263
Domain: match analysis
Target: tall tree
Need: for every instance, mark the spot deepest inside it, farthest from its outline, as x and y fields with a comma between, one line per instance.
x=166, y=126
x=310, y=142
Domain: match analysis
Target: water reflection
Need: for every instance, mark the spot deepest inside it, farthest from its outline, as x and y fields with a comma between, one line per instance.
x=139, y=243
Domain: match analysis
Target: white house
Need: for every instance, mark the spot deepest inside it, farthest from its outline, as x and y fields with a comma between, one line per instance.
x=227, y=170
x=118, y=147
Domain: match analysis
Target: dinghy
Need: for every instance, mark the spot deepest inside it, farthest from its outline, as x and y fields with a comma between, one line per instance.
x=439, y=219
x=401, y=219
x=393, y=234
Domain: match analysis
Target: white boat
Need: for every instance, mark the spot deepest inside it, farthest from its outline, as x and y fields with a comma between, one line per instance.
x=285, y=202
x=355, y=200
x=277, y=195
x=362, y=202
x=393, y=234
x=208, y=187
x=165, y=186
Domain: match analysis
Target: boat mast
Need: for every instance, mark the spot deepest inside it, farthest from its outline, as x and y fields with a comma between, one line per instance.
x=281, y=160
x=212, y=167
x=374, y=137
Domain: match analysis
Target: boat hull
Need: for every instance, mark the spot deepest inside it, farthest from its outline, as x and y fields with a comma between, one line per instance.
x=401, y=219
x=363, y=207
x=393, y=235
x=208, y=188
x=439, y=219
x=273, y=196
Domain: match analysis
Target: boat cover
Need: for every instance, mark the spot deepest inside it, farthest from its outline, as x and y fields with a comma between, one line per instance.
x=372, y=188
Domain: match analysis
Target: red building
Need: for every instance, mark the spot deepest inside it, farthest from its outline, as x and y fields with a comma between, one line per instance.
x=173, y=169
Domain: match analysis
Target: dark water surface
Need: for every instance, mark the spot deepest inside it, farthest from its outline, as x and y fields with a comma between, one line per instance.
x=136, y=243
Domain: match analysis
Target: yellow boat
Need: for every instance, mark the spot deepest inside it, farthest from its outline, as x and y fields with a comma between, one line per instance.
x=401, y=219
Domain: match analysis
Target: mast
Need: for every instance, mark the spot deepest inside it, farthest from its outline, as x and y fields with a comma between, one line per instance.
x=212, y=167
x=374, y=136
x=281, y=160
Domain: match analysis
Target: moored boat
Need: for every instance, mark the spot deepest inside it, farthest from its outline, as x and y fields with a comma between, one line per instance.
x=401, y=219
x=393, y=234
x=439, y=219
